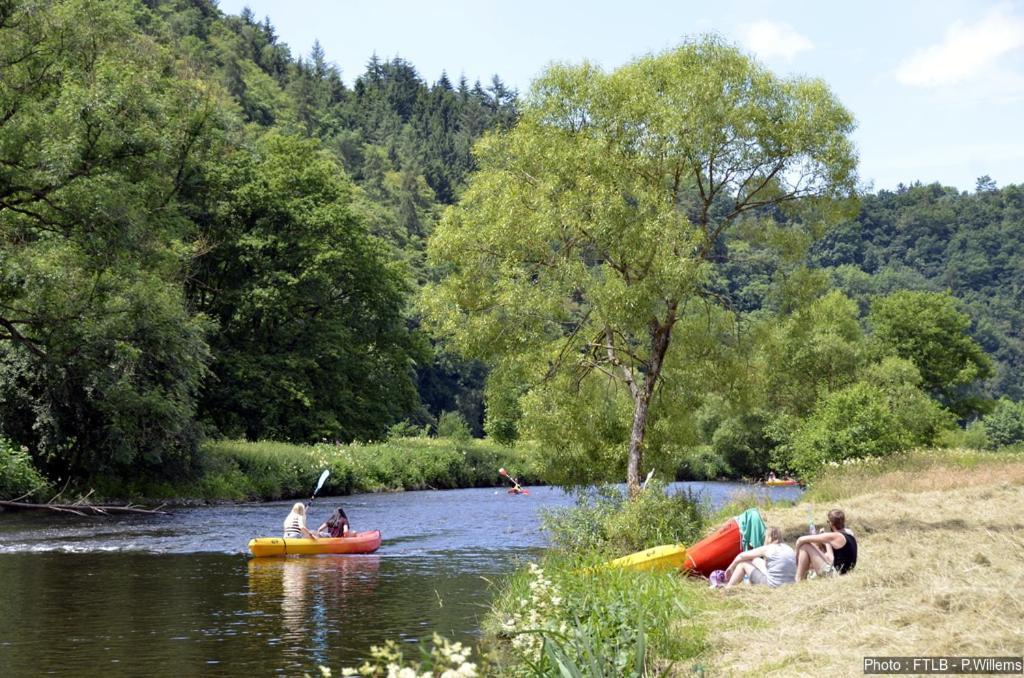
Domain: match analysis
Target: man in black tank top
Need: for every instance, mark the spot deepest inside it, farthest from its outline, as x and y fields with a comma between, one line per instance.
x=828, y=552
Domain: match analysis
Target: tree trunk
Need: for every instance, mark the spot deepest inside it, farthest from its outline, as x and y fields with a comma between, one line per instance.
x=661, y=335
x=636, y=445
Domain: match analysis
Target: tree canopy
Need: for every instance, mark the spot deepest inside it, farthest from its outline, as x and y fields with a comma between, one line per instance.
x=100, y=130
x=595, y=225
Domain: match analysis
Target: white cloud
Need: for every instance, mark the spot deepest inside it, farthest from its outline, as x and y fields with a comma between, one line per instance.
x=774, y=39
x=968, y=51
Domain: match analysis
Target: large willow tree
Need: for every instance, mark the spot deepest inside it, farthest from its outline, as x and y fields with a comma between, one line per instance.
x=596, y=224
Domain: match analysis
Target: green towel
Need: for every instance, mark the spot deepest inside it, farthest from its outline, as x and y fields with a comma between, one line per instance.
x=751, y=529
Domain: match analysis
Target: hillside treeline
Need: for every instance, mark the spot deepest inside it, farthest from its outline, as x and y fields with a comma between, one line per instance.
x=205, y=234
x=202, y=234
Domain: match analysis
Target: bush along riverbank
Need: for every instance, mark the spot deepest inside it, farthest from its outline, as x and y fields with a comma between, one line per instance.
x=564, y=616
x=232, y=470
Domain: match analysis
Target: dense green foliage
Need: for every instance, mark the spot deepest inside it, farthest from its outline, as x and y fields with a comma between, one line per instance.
x=569, y=616
x=588, y=241
x=926, y=329
x=1004, y=426
x=19, y=479
x=564, y=620
x=101, y=128
x=202, y=233
x=311, y=342
x=935, y=238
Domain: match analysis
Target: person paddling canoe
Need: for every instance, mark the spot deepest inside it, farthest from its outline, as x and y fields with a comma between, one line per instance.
x=516, y=487
x=295, y=523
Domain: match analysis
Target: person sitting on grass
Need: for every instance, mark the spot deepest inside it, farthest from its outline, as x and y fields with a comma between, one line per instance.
x=295, y=523
x=336, y=525
x=773, y=564
x=831, y=552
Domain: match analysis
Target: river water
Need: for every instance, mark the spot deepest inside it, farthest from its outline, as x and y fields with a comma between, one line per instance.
x=178, y=595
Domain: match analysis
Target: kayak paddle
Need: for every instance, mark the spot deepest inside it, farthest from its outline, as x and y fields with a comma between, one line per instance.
x=319, y=484
x=517, y=488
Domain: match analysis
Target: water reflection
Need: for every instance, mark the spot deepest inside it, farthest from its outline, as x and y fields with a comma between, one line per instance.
x=311, y=597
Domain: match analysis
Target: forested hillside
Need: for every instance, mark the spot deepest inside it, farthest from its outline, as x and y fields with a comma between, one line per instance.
x=930, y=237
x=204, y=233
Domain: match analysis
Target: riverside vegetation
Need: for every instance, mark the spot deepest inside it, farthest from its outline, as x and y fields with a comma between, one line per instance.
x=940, y=551
x=240, y=470
x=168, y=277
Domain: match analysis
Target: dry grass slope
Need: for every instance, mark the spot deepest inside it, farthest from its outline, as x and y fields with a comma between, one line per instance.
x=941, y=572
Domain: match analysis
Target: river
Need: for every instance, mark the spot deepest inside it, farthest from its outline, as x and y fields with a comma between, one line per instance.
x=178, y=595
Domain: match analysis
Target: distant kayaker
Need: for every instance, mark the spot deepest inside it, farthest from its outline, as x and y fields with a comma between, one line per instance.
x=840, y=549
x=773, y=564
x=336, y=525
x=295, y=523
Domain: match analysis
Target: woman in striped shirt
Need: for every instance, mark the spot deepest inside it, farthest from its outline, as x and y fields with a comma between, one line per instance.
x=295, y=523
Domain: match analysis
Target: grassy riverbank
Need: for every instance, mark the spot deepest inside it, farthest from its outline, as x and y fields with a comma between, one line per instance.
x=939, y=574
x=234, y=470
x=941, y=537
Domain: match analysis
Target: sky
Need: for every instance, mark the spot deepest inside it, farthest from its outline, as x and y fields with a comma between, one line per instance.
x=937, y=87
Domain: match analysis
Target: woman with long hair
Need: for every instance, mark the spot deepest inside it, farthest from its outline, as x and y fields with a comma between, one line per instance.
x=336, y=525
x=295, y=523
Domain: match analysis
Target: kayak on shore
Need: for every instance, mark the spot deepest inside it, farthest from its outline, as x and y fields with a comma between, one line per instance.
x=714, y=552
x=666, y=557
x=704, y=557
x=355, y=542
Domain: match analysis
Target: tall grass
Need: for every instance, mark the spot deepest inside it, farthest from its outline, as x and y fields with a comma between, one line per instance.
x=915, y=470
x=606, y=522
x=566, y=617
x=240, y=470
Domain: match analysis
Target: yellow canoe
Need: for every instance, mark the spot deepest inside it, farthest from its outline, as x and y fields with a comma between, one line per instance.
x=666, y=557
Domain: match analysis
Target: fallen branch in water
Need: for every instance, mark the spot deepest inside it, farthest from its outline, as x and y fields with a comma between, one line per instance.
x=81, y=509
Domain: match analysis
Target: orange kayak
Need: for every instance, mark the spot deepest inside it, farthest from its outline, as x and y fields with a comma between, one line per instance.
x=715, y=551
x=358, y=542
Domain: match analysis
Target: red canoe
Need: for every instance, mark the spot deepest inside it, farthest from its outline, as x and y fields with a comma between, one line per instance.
x=715, y=551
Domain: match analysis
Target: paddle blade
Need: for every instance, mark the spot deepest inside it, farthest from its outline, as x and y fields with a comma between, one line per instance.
x=502, y=472
x=323, y=479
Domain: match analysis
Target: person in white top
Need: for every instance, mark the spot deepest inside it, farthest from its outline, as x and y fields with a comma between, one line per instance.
x=773, y=564
x=295, y=523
